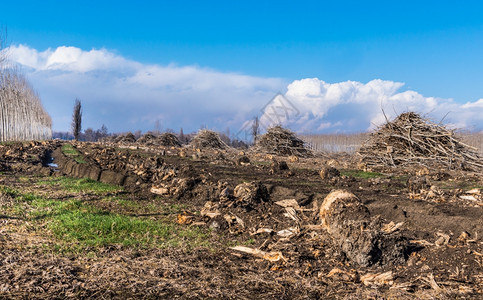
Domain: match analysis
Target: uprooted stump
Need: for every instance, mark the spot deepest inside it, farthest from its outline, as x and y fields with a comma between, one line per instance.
x=360, y=237
x=328, y=172
x=249, y=194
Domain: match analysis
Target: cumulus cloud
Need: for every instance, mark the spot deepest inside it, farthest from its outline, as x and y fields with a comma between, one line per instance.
x=354, y=106
x=127, y=95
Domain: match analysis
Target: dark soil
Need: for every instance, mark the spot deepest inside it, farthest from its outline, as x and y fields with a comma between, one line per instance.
x=238, y=202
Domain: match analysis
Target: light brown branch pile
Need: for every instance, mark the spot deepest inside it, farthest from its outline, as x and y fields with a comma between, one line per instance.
x=281, y=141
x=208, y=139
x=412, y=140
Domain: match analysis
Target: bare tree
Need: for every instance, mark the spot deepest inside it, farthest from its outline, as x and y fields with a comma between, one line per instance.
x=22, y=116
x=3, y=44
x=255, y=129
x=77, y=119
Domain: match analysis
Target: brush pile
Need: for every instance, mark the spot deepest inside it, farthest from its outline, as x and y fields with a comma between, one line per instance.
x=166, y=139
x=412, y=140
x=281, y=141
x=169, y=140
x=207, y=139
x=127, y=138
x=147, y=139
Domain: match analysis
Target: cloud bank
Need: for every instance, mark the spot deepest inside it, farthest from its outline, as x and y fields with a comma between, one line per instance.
x=126, y=95
x=354, y=106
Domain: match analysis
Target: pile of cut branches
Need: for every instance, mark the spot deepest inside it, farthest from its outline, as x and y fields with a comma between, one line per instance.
x=412, y=140
x=127, y=138
x=147, y=139
x=281, y=141
x=207, y=139
x=169, y=140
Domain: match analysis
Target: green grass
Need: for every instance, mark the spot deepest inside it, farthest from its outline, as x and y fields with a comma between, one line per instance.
x=360, y=174
x=72, y=152
x=80, y=226
x=81, y=185
x=77, y=226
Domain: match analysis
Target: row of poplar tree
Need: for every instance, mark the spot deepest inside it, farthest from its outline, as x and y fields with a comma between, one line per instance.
x=22, y=116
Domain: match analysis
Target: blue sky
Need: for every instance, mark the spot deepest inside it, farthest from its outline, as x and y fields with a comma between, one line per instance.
x=434, y=47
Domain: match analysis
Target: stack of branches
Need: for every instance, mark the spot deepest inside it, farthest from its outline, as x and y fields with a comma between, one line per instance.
x=147, y=139
x=281, y=141
x=127, y=138
x=169, y=140
x=208, y=139
x=412, y=140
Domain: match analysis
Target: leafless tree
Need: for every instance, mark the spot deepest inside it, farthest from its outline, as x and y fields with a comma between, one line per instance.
x=22, y=116
x=77, y=119
x=255, y=129
x=3, y=43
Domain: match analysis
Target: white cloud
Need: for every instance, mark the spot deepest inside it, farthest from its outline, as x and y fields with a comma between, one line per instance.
x=354, y=106
x=128, y=95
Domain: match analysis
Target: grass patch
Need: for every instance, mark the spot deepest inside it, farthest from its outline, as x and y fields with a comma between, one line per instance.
x=72, y=152
x=77, y=226
x=360, y=174
x=81, y=226
x=81, y=185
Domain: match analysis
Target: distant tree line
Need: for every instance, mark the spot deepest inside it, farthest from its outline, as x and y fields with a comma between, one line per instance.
x=22, y=116
x=89, y=135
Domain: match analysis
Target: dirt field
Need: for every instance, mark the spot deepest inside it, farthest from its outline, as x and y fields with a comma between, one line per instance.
x=129, y=221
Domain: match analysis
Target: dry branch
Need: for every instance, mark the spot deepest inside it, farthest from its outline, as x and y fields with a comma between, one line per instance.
x=413, y=140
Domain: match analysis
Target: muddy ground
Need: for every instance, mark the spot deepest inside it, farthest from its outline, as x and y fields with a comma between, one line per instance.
x=234, y=197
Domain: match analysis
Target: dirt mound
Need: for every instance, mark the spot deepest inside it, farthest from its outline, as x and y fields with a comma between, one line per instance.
x=412, y=140
x=281, y=141
x=208, y=139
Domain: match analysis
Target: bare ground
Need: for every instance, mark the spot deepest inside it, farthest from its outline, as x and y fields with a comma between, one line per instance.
x=443, y=259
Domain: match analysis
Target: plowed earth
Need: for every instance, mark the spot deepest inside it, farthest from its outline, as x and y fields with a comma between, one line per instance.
x=293, y=256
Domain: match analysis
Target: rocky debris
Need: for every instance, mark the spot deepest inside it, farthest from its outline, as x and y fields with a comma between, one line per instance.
x=249, y=194
x=207, y=139
x=281, y=141
x=328, y=173
x=359, y=236
x=412, y=140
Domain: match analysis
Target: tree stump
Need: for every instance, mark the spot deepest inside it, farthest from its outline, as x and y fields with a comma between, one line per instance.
x=358, y=235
